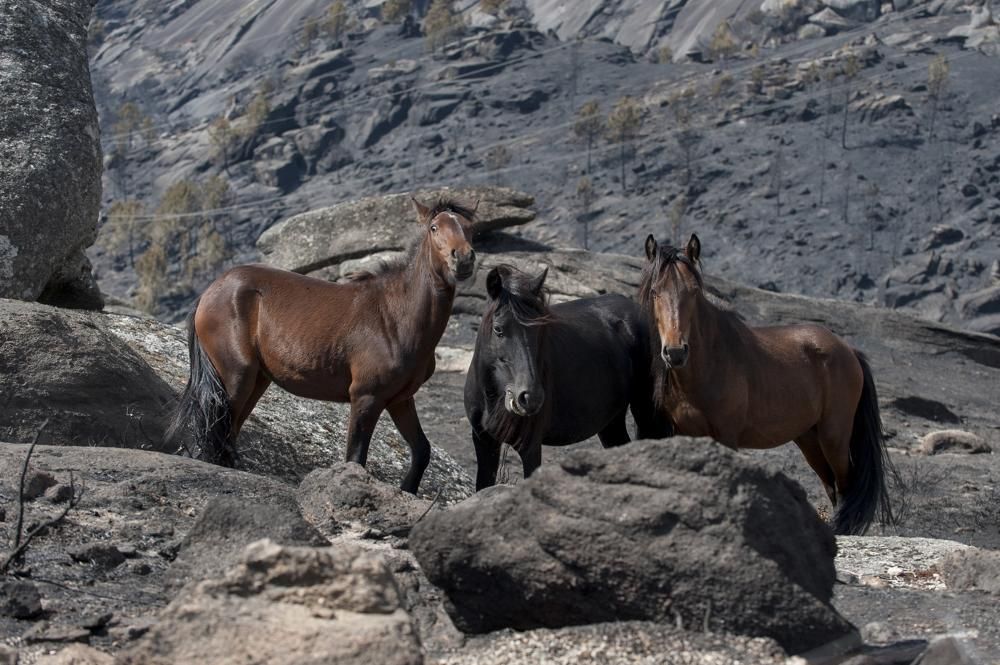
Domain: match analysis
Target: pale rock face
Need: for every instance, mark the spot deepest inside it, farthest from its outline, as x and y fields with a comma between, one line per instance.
x=50, y=153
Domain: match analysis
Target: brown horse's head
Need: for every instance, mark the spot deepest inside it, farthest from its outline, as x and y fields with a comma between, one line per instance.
x=670, y=290
x=449, y=233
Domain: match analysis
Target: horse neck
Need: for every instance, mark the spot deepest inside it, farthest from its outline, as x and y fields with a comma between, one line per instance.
x=711, y=347
x=425, y=294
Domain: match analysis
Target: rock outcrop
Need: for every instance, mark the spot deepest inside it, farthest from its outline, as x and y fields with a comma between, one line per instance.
x=293, y=605
x=69, y=369
x=326, y=237
x=680, y=530
x=50, y=154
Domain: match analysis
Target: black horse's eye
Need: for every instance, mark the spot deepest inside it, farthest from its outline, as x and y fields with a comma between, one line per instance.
x=498, y=331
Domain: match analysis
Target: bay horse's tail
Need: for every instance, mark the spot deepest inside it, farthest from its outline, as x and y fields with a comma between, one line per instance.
x=204, y=406
x=867, y=498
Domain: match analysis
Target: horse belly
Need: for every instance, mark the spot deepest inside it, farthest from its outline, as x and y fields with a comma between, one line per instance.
x=330, y=384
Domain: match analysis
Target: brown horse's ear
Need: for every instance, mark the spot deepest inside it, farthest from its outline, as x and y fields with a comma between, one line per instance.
x=423, y=212
x=475, y=207
x=494, y=284
x=651, y=247
x=693, y=250
x=539, y=281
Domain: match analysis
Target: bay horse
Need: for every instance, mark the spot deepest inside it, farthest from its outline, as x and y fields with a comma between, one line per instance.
x=369, y=341
x=555, y=375
x=762, y=387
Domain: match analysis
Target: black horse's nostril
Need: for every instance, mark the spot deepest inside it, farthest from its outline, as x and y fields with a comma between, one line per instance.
x=522, y=398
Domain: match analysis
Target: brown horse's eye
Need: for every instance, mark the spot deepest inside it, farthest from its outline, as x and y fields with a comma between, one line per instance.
x=654, y=293
x=434, y=228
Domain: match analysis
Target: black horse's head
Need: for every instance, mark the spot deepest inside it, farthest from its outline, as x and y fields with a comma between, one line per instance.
x=511, y=337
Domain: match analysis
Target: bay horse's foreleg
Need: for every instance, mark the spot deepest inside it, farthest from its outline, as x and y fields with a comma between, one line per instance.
x=365, y=411
x=808, y=443
x=404, y=415
x=487, y=458
x=615, y=433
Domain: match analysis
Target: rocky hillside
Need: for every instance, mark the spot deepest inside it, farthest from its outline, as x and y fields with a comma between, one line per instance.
x=841, y=149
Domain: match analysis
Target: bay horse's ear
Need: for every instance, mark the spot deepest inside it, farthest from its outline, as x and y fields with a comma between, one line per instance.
x=494, y=284
x=693, y=250
x=650, y=247
x=423, y=212
x=538, y=281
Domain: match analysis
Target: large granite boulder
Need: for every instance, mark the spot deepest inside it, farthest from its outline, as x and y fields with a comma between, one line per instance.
x=50, y=153
x=321, y=238
x=67, y=368
x=680, y=530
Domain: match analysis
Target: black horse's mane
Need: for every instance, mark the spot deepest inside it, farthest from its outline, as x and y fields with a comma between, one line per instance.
x=529, y=307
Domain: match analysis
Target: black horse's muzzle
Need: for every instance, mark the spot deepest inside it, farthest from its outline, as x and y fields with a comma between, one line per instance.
x=525, y=403
x=675, y=356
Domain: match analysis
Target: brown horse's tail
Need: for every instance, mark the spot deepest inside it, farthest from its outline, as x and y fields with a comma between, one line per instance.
x=867, y=497
x=204, y=406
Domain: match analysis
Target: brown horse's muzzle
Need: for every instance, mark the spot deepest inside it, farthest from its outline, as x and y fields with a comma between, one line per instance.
x=463, y=265
x=675, y=357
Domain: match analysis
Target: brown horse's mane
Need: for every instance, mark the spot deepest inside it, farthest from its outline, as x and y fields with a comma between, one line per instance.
x=529, y=308
x=400, y=264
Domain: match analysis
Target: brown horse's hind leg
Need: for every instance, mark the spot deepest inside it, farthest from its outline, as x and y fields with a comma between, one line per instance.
x=809, y=444
x=365, y=411
x=404, y=415
x=240, y=417
x=616, y=432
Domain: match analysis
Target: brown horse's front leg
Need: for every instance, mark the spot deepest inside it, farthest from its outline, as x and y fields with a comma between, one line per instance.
x=404, y=415
x=365, y=411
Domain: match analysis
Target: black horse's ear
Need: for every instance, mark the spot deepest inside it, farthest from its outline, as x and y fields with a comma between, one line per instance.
x=494, y=284
x=423, y=212
x=651, y=247
x=693, y=249
x=538, y=281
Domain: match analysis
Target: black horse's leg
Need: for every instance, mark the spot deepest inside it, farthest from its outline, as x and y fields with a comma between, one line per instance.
x=487, y=459
x=364, y=416
x=531, y=457
x=616, y=432
x=404, y=415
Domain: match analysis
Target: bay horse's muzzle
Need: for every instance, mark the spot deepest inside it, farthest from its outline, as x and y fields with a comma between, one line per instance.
x=463, y=265
x=675, y=356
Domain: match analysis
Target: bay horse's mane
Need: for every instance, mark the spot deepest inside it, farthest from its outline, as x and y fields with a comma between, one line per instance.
x=400, y=264
x=529, y=307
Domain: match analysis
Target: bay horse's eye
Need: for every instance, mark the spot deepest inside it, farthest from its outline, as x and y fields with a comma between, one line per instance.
x=498, y=331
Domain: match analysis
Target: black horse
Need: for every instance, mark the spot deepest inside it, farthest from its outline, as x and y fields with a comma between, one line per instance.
x=556, y=375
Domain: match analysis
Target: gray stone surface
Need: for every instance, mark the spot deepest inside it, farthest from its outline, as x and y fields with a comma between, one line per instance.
x=50, y=153
x=677, y=530
x=294, y=605
x=329, y=236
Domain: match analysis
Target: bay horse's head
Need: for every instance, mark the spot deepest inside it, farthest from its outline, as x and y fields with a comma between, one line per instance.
x=670, y=287
x=511, y=337
x=449, y=233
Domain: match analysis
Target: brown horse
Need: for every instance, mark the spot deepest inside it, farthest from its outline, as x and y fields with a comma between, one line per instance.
x=763, y=387
x=369, y=341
